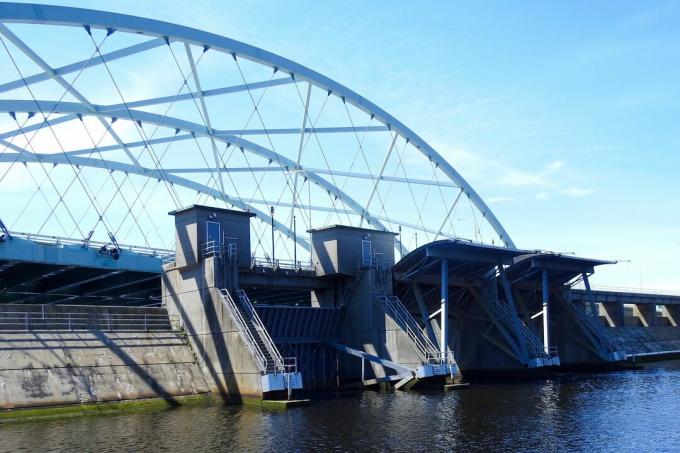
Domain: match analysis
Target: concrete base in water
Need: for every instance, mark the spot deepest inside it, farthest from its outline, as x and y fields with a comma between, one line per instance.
x=106, y=408
x=52, y=368
x=458, y=386
x=284, y=404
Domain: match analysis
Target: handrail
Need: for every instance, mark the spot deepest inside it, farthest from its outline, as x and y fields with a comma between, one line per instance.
x=256, y=261
x=399, y=306
x=281, y=364
x=28, y=320
x=612, y=345
x=245, y=333
x=60, y=241
x=630, y=290
x=425, y=348
x=536, y=346
x=211, y=248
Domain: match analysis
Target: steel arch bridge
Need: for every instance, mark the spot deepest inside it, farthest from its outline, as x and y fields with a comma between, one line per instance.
x=112, y=120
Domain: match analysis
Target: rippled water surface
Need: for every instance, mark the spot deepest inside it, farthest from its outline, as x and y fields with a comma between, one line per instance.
x=625, y=411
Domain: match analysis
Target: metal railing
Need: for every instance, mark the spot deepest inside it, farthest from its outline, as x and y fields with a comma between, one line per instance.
x=244, y=331
x=211, y=248
x=280, y=364
x=62, y=241
x=630, y=290
x=611, y=345
x=256, y=261
x=28, y=320
x=428, y=352
x=535, y=346
x=274, y=363
x=377, y=263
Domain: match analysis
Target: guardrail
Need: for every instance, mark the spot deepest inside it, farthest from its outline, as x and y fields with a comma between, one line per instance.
x=281, y=364
x=211, y=248
x=243, y=329
x=535, y=345
x=631, y=290
x=62, y=241
x=610, y=344
x=425, y=348
x=29, y=321
x=280, y=264
x=377, y=263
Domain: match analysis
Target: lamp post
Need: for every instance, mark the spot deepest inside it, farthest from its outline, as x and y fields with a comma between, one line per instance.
x=295, y=199
x=271, y=210
x=399, y=236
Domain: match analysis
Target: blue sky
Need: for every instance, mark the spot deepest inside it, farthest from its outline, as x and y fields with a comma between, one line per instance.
x=562, y=116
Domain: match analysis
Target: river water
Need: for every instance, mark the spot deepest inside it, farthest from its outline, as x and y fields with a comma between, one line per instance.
x=625, y=411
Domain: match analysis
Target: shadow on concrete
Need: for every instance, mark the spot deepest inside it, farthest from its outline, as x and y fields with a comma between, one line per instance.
x=136, y=368
x=229, y=392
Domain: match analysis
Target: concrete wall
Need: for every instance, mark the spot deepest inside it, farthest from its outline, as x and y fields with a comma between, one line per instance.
x=369, y=328
x=640, y=340
x=190, y=232
x=229, y=368
x=337, y=249
x=71, y=367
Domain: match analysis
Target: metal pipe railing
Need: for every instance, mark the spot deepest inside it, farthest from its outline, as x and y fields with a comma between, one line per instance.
x=61, y=241
x=624, y=289
x=280, y=363
x=211, y=248
x=536, y=346
x=256, y=261
x=243, y=329
x=611, y=345
x=428, y=352
x=28, y=320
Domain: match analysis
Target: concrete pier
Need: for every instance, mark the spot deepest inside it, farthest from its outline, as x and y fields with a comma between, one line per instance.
x=266, y=331
x=49, y=365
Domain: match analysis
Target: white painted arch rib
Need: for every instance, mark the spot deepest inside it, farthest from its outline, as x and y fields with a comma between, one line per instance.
x=78, y=17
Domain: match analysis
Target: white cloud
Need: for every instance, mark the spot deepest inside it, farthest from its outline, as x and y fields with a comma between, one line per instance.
x=576, y=191
x=542, y=196
x=499, y=199
x=519, y=178
x=554, y=166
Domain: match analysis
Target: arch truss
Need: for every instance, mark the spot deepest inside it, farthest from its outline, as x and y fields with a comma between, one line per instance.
x=109, y=121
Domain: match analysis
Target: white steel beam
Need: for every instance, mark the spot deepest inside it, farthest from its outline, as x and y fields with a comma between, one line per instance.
x=61, y=81
x=155, y=174
x=76, y=17
x=206, y=117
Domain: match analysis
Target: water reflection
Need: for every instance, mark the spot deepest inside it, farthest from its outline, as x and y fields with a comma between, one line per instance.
x=627, y=411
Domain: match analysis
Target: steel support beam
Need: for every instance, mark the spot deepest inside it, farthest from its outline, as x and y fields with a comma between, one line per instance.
x=444, y=313
x=76, y=17
x=591, y=298
x=424, y=315
x=545, y=286
x=67, y=86
x=152, y=118
x=371, y=358
x=510, y=300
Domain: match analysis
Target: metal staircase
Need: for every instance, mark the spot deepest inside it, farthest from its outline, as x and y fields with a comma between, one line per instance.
x=535, y=347
x=255, y=335
x=611, y=349
x=426, y=349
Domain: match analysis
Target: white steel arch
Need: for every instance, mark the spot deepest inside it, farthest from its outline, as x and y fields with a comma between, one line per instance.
x=164, y=34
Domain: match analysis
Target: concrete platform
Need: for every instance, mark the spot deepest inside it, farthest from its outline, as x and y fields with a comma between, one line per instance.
x=458, y=386
x=284, y=404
